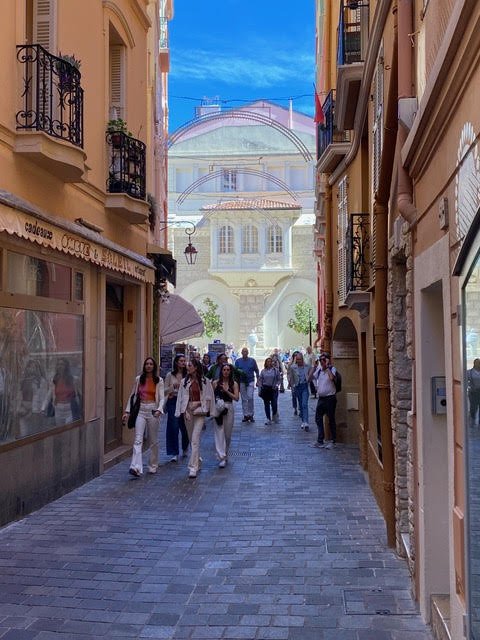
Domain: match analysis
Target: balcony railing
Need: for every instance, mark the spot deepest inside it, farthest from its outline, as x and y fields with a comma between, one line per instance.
x=352, y=32
x=357, y=245
x=52, y=98
x=163, y=35
x=127, y=165
x=327, y=133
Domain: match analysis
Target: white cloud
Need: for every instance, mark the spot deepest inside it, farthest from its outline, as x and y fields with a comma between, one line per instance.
x=255, y=69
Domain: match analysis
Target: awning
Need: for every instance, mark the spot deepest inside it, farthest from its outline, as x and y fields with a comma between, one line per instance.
x=178, y=320
x=20, y=218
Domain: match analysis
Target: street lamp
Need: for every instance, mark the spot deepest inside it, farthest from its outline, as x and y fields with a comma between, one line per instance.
x=310, y=326
x=190, y=252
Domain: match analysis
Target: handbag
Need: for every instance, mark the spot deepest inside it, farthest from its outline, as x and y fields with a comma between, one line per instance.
x=50, y=410
x=134, y=409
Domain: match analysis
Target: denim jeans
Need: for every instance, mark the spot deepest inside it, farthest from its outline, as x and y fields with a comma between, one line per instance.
x=302, y=393
x=270, y=401
x=326, y=405
x=174, y=427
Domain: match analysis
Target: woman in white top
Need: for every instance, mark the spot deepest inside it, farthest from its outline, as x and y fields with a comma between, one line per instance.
x=149, y=387
x=226, y=389
x=195, y=402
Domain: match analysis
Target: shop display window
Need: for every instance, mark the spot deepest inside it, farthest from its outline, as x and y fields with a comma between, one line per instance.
x=37, y=277
x=41, y=371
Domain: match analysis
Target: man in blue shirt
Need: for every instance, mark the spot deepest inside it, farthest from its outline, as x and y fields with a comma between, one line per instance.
x=250, y=369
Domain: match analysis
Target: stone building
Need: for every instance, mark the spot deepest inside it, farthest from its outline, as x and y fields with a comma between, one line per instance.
x=244, y=178
x=397, y=242
x=76, y=232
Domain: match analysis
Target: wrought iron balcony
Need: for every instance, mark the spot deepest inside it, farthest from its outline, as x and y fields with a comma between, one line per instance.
x=357, y=279
x=352, y=32
x=328, y=135
x=357, y=252
x=126, y=172
x=52, y=97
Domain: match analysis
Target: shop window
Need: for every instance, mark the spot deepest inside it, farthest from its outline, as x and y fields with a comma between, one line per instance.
x=41, y=371
x=37, y=277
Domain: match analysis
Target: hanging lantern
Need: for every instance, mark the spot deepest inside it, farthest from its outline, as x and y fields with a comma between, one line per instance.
x=190, y=253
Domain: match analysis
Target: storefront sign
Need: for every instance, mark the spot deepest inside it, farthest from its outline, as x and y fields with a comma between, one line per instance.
x=48, y=235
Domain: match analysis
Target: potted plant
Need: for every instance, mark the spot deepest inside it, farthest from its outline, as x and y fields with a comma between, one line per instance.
x=115, y=128
x=67, y=67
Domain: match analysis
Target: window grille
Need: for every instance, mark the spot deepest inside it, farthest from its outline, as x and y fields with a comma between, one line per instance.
x=229, y=182
x=275, y=239
x=225, y=239
x=250, y=239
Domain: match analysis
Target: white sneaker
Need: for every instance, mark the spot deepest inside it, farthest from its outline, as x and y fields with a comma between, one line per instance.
x=222, y=464
x=192, y=474
x=174, y=459
x=268, y=422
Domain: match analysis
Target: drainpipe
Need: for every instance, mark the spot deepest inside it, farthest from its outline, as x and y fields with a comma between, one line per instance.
x=405, y=90
x=380, y=213
x=326, y=344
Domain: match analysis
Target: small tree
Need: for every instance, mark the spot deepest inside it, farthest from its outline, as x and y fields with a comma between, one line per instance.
x=212, y=322
x=303, y=314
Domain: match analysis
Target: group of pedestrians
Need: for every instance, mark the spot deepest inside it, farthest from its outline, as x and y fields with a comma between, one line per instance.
x=194, y=390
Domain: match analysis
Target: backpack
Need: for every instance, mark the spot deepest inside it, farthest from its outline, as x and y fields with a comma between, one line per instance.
x=338, y=381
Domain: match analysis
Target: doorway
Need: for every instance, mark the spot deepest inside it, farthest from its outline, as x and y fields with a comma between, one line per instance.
x=113, y=367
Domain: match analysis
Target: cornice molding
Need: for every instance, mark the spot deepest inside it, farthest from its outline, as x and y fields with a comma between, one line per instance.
x=141, y=14
x=457, y=59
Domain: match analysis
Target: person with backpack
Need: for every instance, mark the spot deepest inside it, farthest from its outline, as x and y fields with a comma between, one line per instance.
x=327, y=381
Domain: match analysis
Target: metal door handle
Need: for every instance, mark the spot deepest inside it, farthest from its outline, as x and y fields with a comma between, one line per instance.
x=108, y=388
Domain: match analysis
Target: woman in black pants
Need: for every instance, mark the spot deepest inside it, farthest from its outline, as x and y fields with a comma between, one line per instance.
x=267, y=384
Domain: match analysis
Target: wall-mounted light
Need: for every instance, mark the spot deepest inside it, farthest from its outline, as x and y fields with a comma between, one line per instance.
x=190, y=252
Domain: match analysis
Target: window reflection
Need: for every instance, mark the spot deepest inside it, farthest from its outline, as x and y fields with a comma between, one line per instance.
x=41, y=371
x=37, y=277
x=472, y=361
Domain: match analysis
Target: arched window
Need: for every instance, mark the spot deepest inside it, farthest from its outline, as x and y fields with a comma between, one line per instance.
x=249, y=239
x=274, y=239
x=225, y=239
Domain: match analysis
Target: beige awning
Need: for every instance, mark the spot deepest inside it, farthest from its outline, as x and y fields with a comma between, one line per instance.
x=21, y=219
x=179, y=320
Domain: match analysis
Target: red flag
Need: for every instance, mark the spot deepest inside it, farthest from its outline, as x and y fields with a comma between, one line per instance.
x=319, y=118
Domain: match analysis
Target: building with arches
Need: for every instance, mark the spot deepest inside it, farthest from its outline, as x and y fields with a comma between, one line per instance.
x=245, y=178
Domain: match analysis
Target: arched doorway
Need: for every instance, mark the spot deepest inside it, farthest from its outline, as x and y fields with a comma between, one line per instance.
x=345, y=354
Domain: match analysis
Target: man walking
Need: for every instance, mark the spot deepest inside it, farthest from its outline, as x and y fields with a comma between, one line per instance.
x=324, y=377
x=247, y=385
x=310, y=361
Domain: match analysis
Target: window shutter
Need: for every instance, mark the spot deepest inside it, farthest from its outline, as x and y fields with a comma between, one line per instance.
x=117, y=81
x=44, y=24
x=342, y=225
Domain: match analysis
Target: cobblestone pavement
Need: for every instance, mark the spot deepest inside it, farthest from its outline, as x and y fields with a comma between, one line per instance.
x=286, y=542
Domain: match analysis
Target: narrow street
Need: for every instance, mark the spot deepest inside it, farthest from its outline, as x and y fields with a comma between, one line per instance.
x=286, y=542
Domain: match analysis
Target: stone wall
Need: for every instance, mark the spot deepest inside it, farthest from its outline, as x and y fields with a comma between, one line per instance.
x=400, y=330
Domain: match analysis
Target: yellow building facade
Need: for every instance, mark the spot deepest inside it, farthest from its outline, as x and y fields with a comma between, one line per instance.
x=82, y=109
x=398, y=197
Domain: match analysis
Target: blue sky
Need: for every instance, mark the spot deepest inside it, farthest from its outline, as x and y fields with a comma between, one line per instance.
x=240, y=50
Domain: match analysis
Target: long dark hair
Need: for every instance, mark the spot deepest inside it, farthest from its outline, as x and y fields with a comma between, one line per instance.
x=230, y=376
x=175, y=367
x=143, y=375
x=199, y=370
x=66, y=375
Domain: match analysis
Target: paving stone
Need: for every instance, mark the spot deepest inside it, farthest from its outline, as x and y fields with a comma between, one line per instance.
x=285, y=543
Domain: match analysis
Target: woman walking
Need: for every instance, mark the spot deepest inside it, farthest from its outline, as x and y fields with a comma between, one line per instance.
x=62, y=400
x=226, y=389
x=175, y=425
x=148, y=387
x=268, y=382
x=291, y=362
x=195, y=402
x=300, y=376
